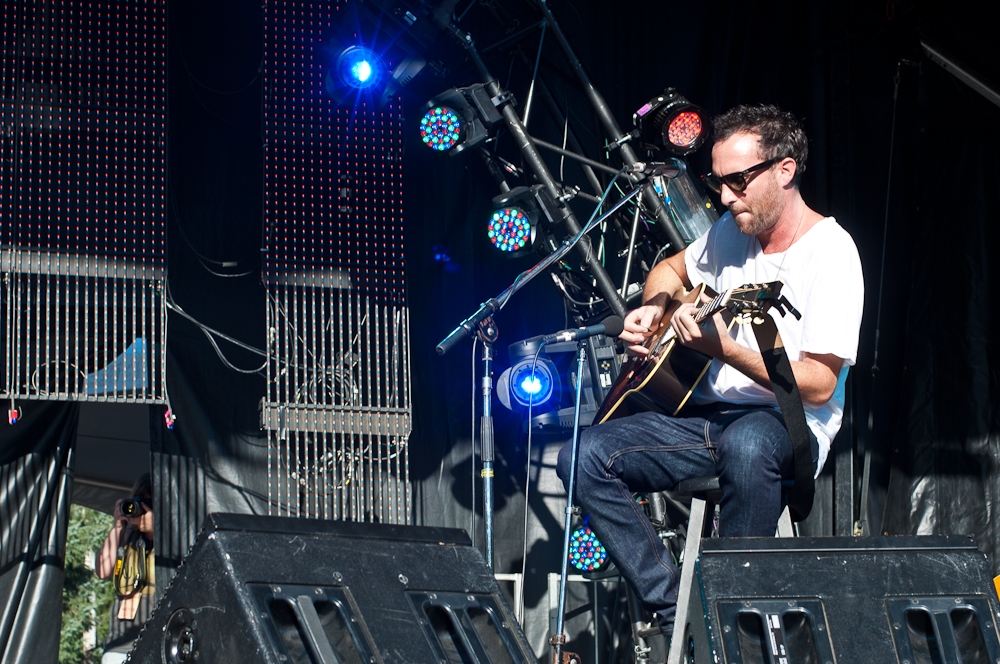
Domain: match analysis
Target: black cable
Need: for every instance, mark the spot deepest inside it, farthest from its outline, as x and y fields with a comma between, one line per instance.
x=527, y=485
x=212, y=332
x=885, y=222
x=201, y=258
x=861, y=526
x=173, y=306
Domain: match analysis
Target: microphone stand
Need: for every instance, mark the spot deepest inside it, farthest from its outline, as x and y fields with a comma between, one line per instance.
x=488, y=334
x=481, y=323
x=558, y=640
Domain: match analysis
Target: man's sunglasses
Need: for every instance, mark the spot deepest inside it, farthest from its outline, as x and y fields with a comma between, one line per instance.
x=736, y=181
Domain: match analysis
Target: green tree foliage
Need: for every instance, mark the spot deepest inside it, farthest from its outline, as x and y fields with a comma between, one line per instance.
x=86, y=598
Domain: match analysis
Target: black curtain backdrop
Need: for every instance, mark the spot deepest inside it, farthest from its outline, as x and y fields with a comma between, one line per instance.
x=36, y=476
x=215, y=457
x=945, y=451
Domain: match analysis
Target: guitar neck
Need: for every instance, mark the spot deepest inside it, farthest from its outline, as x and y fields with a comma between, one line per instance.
x=711, y=308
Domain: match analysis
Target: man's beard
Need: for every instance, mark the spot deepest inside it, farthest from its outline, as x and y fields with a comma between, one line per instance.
x=764, y=214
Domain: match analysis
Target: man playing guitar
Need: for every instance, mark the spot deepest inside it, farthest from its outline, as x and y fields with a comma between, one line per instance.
x=731, y=426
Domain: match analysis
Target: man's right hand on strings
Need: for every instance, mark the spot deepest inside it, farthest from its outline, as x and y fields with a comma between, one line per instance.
x=640, y=323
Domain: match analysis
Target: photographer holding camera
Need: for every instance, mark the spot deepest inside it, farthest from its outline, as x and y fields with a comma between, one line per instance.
x=127, y=559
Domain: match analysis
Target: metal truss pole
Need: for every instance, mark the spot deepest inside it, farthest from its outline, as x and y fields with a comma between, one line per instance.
x=650, y=197
x=525, y=143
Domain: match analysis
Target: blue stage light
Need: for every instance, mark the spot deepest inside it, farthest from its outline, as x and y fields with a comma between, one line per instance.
x=535, y=387
x=362, y=71
x=531, y=385
x=369, y=51
x=359, y=67
x=531, y=380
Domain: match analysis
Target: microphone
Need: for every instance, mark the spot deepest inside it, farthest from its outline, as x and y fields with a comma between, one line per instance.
x=673, y=168
x=611, y=326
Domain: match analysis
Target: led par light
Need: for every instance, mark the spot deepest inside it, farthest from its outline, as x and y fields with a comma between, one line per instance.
x=441, y=128
x=458, y=119
x=510, y=230
x=516, y=224
x=671, y=122
x=586, y=553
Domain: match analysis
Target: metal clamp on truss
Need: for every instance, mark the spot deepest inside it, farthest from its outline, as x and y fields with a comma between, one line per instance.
x=503, y=97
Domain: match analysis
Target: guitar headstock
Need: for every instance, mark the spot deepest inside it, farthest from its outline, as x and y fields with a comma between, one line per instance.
x=749, y=302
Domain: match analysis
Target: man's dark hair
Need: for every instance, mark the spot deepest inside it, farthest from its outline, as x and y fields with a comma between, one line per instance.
x=780, y=133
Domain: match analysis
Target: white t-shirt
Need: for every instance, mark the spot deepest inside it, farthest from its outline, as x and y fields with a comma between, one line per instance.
x=822, y=278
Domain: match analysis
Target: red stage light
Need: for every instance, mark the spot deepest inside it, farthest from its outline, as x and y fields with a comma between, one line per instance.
x=684, y=129
x=671, y=122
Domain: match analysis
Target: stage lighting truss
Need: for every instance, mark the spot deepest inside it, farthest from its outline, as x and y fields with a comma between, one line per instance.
x=671, y=122
x=460, y=118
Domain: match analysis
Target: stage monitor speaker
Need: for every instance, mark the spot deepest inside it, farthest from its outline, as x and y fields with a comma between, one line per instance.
x=828, y=600
x=288, y=591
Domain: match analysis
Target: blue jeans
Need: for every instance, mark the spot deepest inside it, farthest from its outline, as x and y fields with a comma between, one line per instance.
x=747, y=447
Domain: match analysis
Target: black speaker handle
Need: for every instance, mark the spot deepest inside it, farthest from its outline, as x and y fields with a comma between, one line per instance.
x=314, y=630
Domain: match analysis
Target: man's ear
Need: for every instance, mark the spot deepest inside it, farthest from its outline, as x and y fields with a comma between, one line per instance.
x=787, y=168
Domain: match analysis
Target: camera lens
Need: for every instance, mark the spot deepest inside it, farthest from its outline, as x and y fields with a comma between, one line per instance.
x=131, y=507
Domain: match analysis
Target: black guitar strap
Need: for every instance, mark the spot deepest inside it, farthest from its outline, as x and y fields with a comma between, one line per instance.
x=779, y=371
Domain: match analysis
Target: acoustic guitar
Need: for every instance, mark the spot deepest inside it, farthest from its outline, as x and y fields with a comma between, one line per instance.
x=664, y=380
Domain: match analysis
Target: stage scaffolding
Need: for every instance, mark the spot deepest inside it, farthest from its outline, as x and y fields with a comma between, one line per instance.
x=337, y=410
x=82, y=201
